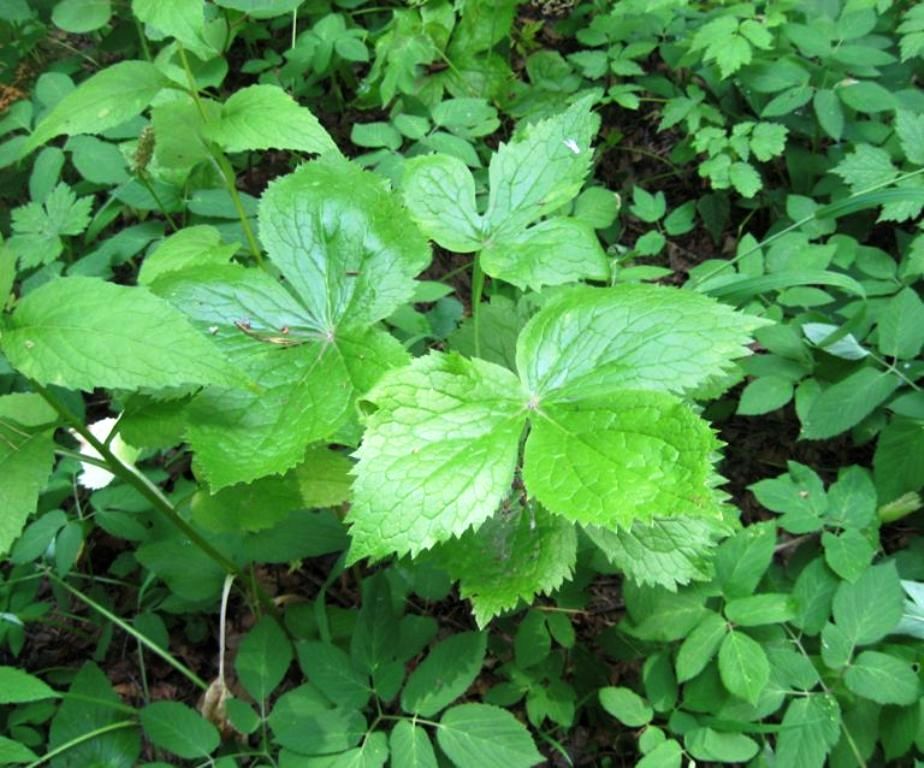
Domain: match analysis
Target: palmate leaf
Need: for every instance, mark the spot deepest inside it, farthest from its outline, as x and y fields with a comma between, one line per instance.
x=605, y=446
x=530, y=177
x=350, y=254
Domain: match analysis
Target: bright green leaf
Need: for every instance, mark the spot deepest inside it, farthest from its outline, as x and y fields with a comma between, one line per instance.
x=483, y=736
x=438, y=455
x=266, y=117
x=103, y=101
x=743, y=666
x=445, y=674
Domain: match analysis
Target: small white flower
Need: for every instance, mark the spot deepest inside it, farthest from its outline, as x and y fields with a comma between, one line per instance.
x=92, y=476
x=572, y=145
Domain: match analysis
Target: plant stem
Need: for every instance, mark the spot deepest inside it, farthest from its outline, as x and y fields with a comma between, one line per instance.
x=134, y=478
x=696, y=282
x=224, y=165
x=153, y=647
x=477, y=290
x=77, y=740
x=227, y=173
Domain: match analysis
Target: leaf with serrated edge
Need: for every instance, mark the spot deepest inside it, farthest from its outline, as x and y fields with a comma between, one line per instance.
x=440, y=193
x=592, y=342
x=411, y=747
x=25, y=463
x=438, y=455
x=743, y=666
x=533, y=175
x=102, y=101
x=516, y=555
x=553, y=252
x=266, y=117
x=668, y=551
x=614, y=462
x=347, y=247
x=83, y=333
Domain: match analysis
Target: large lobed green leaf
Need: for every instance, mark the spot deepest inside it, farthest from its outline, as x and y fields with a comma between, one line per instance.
x=349, y=253
x=605, y=446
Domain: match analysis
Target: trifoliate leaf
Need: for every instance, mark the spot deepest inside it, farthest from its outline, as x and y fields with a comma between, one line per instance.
x=343, y=241
x=83, y=333
x=266, y=117
x=440, y=192
x=438, y=454
x=102, y=101
x=630, y=458
x=592, y=342
x=552, y=252
x=667, y=551
x=517, y=554
x=541, y=170
x=38, y=227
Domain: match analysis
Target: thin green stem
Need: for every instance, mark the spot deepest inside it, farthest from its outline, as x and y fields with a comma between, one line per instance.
x=695, y=282
x=477, y=291
x=228, y=175
x=106, y=613
x=137, y=480
x=84, y=737
x=224, y=165
x=142, y=177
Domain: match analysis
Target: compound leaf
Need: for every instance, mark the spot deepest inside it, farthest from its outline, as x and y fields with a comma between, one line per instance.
x=438, y=454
